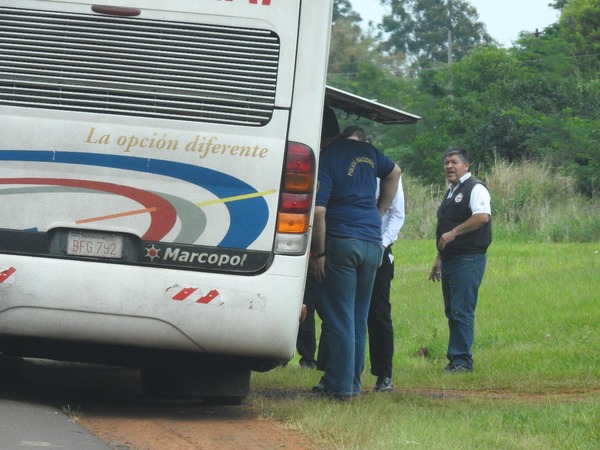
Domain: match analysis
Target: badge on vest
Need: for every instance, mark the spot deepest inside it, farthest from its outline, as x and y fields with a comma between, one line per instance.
x=458, y=198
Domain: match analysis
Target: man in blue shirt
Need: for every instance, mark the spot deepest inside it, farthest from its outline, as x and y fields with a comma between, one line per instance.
x=346, y=249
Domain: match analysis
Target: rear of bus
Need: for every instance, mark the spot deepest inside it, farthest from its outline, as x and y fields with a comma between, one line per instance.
x=157, y=166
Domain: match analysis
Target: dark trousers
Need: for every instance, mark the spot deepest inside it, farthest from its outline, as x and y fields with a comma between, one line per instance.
x=380, y=327
x=461, y=278
x=306, y=343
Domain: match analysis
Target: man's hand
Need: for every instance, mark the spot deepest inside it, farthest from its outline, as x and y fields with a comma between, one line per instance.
x=436, y=270
x=473, y=223
x=445, y=239
x=316, y=267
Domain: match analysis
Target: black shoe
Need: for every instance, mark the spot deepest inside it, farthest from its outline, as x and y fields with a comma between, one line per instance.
x=340, y=397
x=457, y=368
x=308, y=365
x=319, y=388
x=384, y=384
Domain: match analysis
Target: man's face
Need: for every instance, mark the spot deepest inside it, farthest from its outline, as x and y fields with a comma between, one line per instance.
x=455, y=168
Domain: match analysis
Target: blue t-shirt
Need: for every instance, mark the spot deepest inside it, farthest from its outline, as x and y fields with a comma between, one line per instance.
x=348, y=171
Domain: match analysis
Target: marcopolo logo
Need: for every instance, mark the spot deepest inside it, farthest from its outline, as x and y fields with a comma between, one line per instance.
x=182, y=256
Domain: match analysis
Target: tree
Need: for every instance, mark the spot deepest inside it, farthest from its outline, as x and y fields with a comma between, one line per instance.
x=342, y=9
x=559, y=4
x=538, y=100
x=432, y=32
x=580, y=25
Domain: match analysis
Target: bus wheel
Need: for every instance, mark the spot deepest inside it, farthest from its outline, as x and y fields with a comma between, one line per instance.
x=219, y=386
x=157, y=383
x=211, y=385
x=231, y=401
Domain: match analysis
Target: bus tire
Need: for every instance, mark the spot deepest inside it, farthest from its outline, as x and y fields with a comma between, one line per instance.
x=157, y=383
x=223, y=400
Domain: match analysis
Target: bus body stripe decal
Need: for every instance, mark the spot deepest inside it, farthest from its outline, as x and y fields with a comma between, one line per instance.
x=116, y=215
x=163, y=214
x=248, y=218
x=5, y=274
x=212, y=294
x=184, y=293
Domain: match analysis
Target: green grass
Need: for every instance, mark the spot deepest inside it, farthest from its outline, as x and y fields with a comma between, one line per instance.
x=536, y=383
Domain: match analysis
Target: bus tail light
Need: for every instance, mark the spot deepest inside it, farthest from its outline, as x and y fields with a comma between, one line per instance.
x=293, y=219
x=299, y=203
x=293, y=223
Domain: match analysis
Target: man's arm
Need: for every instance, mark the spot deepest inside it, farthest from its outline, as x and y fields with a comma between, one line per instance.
x=317, y=265
x=387, y=189
x=475, y=222
x=393, y=220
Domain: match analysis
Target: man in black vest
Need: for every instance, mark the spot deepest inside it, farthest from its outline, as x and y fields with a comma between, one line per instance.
x=464, y=232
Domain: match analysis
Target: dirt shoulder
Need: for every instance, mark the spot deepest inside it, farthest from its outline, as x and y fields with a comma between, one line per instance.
x=188, y=426
x=179, y=425
x=110, y=404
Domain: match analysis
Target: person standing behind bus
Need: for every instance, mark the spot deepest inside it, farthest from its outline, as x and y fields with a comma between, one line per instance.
x=380, y=326
x=464, y=232
x=347, y=241
x=306, y=340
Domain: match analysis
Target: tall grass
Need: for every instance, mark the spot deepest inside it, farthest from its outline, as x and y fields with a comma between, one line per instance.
x=536, y=383
x=530, y=200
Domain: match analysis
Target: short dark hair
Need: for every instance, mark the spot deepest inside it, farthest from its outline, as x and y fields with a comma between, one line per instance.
x=355, y=130
x=462, y=153
x=330, y=126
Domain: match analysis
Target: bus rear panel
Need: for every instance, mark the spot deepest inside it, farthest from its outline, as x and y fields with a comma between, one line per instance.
x=157, y=173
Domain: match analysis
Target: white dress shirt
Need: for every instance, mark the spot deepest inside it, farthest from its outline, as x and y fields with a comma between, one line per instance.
x=393, y=219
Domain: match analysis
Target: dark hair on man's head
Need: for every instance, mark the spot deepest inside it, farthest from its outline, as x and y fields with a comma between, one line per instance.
x=355, y=130
x=461, y=152
x=330, y=126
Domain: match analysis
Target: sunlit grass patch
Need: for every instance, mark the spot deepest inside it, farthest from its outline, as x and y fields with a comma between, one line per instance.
x=536, y=382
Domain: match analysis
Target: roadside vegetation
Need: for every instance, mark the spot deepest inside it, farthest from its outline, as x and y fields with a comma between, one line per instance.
x=538, y=100
x=531, y=201
x=536, y=383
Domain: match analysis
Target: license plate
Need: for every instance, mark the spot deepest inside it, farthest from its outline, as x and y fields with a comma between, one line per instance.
x=99, y=245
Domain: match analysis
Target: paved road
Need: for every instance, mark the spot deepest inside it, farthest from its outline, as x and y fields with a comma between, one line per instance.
x=29, y=418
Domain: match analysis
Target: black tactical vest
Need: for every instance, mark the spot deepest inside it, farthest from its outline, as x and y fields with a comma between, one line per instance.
x=454, y=211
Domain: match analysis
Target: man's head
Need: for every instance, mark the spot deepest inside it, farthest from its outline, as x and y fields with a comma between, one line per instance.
x=457, y=163
x=355, y=132
x=330, y=128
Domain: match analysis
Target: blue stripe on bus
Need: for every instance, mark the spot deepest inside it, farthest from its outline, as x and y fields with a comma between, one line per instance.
x=248, y=217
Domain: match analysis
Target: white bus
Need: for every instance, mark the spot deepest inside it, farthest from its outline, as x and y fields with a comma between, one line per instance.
x=157, y=168
x=157, y=164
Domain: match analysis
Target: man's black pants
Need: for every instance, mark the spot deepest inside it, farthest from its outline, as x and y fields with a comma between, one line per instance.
x=380, y=327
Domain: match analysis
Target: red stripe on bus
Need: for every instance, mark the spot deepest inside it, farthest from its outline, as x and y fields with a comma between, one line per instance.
x=6, y=273
x=213, y=293
x=162, y=215
x=184, y=293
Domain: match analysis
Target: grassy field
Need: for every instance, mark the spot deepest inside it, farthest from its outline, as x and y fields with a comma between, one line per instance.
x=536, y=383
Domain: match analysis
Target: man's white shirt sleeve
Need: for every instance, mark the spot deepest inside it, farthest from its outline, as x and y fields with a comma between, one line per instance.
x=480, y=200
x=393, y=219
